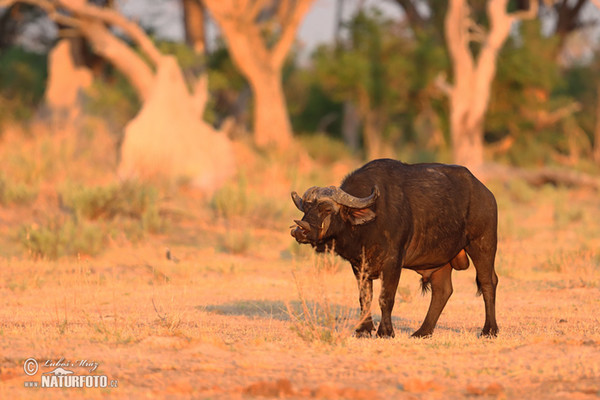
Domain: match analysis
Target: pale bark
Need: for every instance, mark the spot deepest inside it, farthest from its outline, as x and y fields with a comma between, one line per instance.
x=259, y=62
x=372, y=135
x=271, y=121
x=124, y=58
x=597, y=130
x=473, y=75
x=372, y=126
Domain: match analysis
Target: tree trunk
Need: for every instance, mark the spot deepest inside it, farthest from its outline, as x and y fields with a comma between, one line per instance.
x=244, y=25
x=119, y=54
x=351, y=125
x=193, y=17
x=597, y=130
x=467, y=139
x=473, y=75
x=372, y=135
x=272, y=126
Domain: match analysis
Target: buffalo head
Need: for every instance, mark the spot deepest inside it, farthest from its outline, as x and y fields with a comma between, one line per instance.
x=326, y=211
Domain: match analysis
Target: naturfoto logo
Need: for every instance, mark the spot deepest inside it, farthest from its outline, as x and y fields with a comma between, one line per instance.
x=62, y=374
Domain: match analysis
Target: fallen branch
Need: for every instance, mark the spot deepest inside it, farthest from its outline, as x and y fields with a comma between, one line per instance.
x=541, y=176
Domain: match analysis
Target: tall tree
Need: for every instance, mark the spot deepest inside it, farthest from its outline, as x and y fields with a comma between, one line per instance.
x=259, y=35
x=372, y=69
x=167, y=138
x=473, y=71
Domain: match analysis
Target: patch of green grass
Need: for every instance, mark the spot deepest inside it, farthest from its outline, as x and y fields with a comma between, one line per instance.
x=90, y=216
x=520, y=191
x=237, y=200
x=323, y=148
x=236, y=242
x=16, y=192
x=60, y=237
x=130, y=199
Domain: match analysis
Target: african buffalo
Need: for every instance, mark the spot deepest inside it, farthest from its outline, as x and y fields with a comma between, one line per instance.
x=387, y=216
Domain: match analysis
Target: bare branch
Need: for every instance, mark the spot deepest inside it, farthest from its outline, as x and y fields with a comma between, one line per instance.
x=476, y=32
x=255, y=8
x=457, y=40
x=48, y=7
x=526, y=14
x=416, y=21
x=288, y=31
x=441, y=82
x=112, y=17
x=81, y=10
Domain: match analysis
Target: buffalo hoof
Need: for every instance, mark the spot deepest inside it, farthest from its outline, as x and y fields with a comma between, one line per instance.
x=362, y=333
x=422, y=334
x=385, y=333
x=489, y=332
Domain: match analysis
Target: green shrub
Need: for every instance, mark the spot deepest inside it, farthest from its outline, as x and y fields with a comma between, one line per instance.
x=113, y=100
x=128, y=199
x=90, y=216
x=22, y=83
x=236, y=242
x=324, y=149
x=236, y=200
x=16, y=193
x=60, y=237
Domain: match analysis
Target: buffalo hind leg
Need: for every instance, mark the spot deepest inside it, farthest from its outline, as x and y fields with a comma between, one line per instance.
x=365, y=289
x=441, y=290
x=483, y=253
x=389, y=285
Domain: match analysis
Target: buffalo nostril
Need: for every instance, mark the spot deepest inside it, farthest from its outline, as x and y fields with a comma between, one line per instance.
x=303, y=225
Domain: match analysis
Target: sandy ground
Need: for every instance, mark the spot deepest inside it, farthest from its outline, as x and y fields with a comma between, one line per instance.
x=212, y=324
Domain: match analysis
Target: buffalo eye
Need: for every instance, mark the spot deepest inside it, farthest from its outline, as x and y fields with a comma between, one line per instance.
x=325, y=208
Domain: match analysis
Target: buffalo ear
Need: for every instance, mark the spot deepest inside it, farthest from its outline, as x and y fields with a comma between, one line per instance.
x=359, y=216
x=297, y=201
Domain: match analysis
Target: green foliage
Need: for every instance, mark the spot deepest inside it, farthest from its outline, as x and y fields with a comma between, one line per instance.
x=381, y=69
x=90, y=216
x=129, y=198
x=62, y=236
x=529, y=90
x=310, y=106
x=112, y=99
x=236, y=200
x=12, y=192
x=323, y=148
x=225, y=84
x=582, y=82
x=236, y=242
x=189, y=61
x=22, y=83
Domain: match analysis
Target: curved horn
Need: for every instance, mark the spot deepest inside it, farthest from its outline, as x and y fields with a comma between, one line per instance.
x=297, y=201
x=348, y=200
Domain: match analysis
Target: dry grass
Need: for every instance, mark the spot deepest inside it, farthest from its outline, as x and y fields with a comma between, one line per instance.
x=263, y=317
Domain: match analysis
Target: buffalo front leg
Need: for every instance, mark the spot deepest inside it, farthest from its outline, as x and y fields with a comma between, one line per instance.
x=365, y=290
x=441, y=290
x=389, y=285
